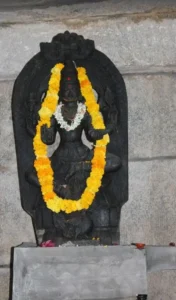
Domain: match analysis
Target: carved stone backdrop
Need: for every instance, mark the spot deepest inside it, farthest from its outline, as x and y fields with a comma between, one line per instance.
x=140, y=39
x=71, y=160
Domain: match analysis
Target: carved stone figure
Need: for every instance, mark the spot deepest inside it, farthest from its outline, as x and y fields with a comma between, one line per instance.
x=71, y=161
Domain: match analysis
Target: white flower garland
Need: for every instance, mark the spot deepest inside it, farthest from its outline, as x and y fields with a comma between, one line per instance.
x=77, y=120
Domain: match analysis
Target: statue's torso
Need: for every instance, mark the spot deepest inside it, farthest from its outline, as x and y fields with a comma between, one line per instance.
x=71, y=147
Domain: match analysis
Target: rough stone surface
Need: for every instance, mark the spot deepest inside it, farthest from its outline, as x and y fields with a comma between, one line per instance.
x=10, y=11
x=162, y=285
x=149, y=215
x=38, y=3
x=121, y=40
x=15, y=224
x=93, y=272
x=4, y=283
x=152, y=111
x=160, y=258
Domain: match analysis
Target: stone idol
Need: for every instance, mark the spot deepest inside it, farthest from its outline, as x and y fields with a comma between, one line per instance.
x=70, y=117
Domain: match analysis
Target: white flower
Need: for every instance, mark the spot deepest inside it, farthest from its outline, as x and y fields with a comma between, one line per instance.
x=77, y=119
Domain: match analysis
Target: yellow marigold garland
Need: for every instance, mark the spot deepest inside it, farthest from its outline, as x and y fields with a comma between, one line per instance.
x=42, y=163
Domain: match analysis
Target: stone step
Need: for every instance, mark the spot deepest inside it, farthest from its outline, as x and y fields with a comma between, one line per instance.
x=4, y=283
x=92, y=272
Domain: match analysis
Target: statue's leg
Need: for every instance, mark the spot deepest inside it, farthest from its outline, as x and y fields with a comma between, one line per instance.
x=103, y=218
x=113, y=163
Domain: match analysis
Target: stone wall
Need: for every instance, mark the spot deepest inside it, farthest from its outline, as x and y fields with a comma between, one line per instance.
x=140, y=40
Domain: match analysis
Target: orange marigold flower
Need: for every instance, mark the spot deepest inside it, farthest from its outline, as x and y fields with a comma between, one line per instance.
x=49, y=195
x=84, y=83
x=44, y=172
x=43, y=164
x=43, y=161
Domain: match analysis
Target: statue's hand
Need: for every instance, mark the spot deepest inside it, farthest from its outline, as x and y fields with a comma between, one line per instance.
x=47, y=135
x=97, y=134
x=111, y=128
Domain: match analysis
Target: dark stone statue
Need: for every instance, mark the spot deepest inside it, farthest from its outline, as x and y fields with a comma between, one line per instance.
x=71, y=159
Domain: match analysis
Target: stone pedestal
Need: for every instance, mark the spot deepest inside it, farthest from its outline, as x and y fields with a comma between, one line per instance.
x=84, y=273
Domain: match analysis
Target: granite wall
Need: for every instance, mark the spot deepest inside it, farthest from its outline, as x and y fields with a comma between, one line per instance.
x=140, y=39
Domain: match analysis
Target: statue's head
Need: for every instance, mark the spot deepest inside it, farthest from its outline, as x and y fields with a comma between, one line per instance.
x=69, y=86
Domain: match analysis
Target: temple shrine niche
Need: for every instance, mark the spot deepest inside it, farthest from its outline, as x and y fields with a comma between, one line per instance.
x=72, y=187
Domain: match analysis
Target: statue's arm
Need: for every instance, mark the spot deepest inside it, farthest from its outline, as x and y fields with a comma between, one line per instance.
x=48, y=135
x=109, y=109
x=31, y=114
x=94, y=134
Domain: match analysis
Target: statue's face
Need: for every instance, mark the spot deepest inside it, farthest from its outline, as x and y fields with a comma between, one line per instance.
x=70, y=94
x=67, y=100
